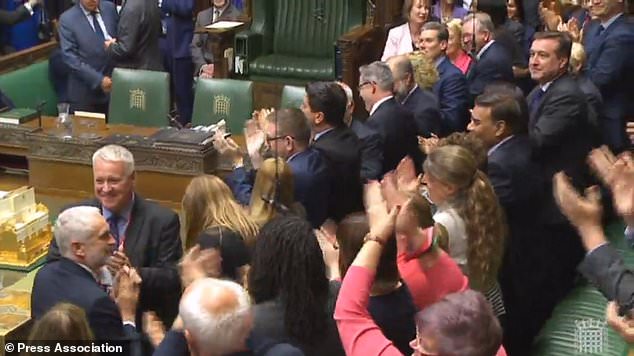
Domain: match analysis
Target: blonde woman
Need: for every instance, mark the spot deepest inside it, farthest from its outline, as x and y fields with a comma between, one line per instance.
x=213, y=219
x=469, y=210
x=456, y=54
x=425, y=73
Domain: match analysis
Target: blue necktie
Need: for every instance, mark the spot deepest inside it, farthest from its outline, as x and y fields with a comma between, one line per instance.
x=96, y=25
x=113, y=223
x=536, y=101
x=601, y=29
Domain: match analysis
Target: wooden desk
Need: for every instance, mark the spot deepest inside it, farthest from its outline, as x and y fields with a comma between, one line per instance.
x=220, y=43
x=62, y=167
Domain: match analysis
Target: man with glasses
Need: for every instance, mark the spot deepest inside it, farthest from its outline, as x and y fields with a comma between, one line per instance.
x=394, y=123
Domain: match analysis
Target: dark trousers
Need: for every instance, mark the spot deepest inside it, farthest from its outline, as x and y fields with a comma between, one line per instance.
x=182, y=80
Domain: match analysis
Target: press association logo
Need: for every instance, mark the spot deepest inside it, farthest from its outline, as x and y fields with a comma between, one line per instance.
x=590, y=336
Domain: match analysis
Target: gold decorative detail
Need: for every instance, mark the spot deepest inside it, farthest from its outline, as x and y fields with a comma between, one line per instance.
x=222, y=105
x=137, y=99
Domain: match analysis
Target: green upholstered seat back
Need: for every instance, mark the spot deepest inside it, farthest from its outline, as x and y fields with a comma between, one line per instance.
x=292, y=97
x=27, y=87
x=311, y=27
x=139, y=97
x=228, y=99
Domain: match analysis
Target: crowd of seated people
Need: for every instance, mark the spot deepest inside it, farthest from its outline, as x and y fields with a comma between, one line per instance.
x=446, y=223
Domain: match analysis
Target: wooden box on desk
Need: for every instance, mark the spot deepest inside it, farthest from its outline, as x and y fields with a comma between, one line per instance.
x=15, y=307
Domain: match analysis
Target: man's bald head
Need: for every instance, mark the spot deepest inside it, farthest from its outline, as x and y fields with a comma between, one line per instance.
x=216, y=316
x=403, y=73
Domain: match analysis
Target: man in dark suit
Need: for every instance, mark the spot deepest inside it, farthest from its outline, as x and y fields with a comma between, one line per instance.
x=324, y=106
x=493, y=61
x=560, y=137
x=609, y=44
x=500, y=120
x=146, y=234
x=422, y=103
x=82, y=31
x=287, y=135
x=221, y=10
x=177, y=56
x=451, y=87
x=371, y=146
x=85, y=244
x=393, y=122
x=138, y=33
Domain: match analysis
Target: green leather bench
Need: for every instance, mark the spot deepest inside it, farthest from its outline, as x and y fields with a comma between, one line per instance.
x=569, y=331
x=29, y=86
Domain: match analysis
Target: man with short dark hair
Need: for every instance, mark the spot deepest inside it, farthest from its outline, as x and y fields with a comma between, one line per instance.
x=324, y=107
x=420, y=102
x=493, y=61
x=451, y=87
x=560, y=137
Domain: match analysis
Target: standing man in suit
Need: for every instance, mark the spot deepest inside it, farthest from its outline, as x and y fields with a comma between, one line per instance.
x=146, y=234
x=82, y=31
x=493, y=61
x=137, y=42
x=609, y=43
x=393, y=122
x=371, y=146
x=220, y=10
x=287, y=135
x=177, y=57
x=324, y=106
x=451, y=87
x=500, y=120
x=560, y=137
x=86, y=243
x=422, y=103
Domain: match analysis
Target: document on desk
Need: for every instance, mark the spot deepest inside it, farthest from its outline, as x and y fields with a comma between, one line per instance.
x=224, y=25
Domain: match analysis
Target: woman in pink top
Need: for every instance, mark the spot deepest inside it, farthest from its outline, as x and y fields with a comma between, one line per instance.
x=460, y=324
x=455, y=53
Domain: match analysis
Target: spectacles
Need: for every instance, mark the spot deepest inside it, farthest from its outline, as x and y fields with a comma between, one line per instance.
x=363, y=84
x=278, y=137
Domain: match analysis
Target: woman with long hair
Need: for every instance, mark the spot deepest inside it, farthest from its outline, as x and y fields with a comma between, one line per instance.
x=287, y=281
x=213, y=219
x=469, y=210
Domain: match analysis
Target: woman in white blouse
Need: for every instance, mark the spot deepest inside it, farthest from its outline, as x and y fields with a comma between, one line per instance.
x=402, y=39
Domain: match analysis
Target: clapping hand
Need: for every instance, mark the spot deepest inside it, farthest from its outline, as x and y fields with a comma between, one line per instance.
x=207, y=71
x=624, y=326
x=426, y=145
x=406, y=178
x=118, y=260
x=126, y=292
x=200, y=264
x=618, y=175
x=153, y=327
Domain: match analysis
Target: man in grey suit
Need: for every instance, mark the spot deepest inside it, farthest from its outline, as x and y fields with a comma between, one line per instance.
x=82, y=31
x=220, y=10
x=137, y=44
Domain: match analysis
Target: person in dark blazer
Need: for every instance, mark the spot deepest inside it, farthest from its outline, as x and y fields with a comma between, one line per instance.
x=422, y=103
x=500, y=120
x=559, y=131
x=324, y=107
x=393, y=122
x=147, y=234
x=85, y=244
x=287, y=136
x=592, y=93
x=451, y=87
x=177, y=56
x=609, y=44
x=138, y=33
x=371, y=147
x=220, y=10
x=83, y=52
x=493, y=61
x=22, y=12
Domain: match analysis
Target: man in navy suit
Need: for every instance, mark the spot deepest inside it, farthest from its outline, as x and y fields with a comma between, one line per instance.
x=371, y=146
x=177, y=56
x=393, y=122
x=609, y=44
x=324, y=107
x=86, y=244
x=288, y=136
x=500, y=120
x=451, y=87
x=559, y=130
x=422, y=103
x=493, y=61
x=82, y=31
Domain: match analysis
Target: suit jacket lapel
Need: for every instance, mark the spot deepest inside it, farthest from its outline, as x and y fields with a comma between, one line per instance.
x=134, y=228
